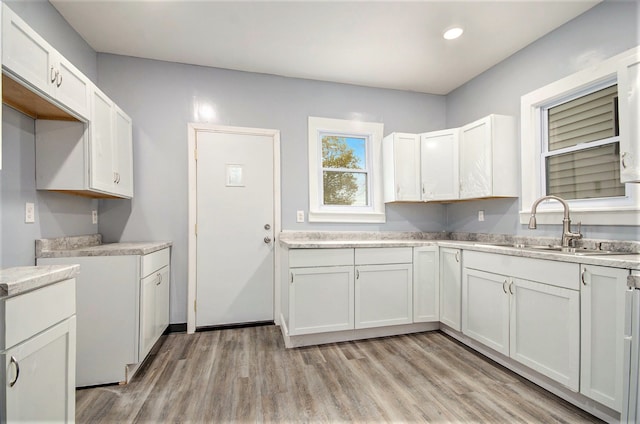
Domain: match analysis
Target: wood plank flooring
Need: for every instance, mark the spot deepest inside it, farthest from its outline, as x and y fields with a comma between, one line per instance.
x=246, y=375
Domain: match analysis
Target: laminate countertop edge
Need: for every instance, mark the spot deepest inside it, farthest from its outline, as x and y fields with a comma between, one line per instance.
x=18, y=280
x=627, y=261
x=107, y=249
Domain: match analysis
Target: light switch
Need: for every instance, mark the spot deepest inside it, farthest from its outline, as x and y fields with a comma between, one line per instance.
x=480, y=216
x=29, y=213
x=94, y=216
x=300, y=216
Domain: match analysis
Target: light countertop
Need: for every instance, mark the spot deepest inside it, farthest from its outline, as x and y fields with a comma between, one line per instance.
x=629, y=260
x=21, y=279
x=91, y=245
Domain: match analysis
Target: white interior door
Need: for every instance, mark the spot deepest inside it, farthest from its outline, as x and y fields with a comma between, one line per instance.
x=235, y=221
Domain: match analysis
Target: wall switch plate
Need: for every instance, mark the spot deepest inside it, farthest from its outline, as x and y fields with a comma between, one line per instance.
x=480, y=216
x=94, y=216
x=300, y=216
x=29, y=213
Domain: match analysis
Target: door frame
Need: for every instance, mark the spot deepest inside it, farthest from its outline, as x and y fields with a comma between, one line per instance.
x=193, y=129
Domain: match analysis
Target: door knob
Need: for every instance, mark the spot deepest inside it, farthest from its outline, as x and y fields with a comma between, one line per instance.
x=267, y=240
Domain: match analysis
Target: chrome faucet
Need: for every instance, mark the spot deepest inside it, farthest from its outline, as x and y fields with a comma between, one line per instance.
x=567, y=235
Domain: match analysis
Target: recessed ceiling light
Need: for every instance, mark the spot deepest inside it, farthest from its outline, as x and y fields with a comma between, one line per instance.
x=453, y=33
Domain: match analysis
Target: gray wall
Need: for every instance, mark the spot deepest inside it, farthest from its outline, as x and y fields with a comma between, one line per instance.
x=604, y=31
x=56, y=214
x=160, y=99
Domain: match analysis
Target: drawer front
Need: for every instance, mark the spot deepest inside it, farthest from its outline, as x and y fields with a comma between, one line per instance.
x=28, y=314
x=384, y=255
x=299, y=258
x=561, y=274
x=154, y=261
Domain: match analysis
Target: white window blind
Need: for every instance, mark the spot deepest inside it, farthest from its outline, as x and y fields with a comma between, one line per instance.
x=582, y=152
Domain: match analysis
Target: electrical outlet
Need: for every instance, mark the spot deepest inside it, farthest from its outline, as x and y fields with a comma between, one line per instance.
x=29, y=213
x=300, y=216
x=480, y=216
x=94, y=216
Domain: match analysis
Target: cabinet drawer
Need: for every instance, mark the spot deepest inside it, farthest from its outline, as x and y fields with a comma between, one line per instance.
x=384, y=255
x=320, y=257
x=28, y=314
x=154, y=261
x=561, y=274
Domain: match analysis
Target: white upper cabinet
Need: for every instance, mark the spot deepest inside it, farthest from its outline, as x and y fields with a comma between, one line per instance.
x=110, y=147
x=101, y=172
x=629, y=105
x=439, y=165
x=29, y=59
x=123, y=146
x=401, y=166
x=488, y=160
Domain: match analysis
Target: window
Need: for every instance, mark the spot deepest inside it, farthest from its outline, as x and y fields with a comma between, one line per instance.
x=580, y=155
x=345, y=171
x=570, y=147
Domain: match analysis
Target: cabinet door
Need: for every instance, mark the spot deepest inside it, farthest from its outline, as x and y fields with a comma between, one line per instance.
x=629, y=103
x=320, y=299
x=43, y=390
x=383, y=295
x=545, y=330
x=27, y=55
x=426, y=284
x=450, y=287
x=124, y=153
x=162, y=302
x=475, y=159
x=101, y=174
x=439, y=165
x=401, y=160
x=148, y=301
x=72, y=88
x=602, y=308
x=485, y=308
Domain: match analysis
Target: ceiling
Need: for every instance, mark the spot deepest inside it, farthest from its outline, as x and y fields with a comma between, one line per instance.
x=387, y=44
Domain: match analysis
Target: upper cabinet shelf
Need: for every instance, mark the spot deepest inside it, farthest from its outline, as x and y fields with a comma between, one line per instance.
x=83, y=139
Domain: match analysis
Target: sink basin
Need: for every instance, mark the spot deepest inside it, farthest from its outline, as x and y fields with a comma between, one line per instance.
x=578, y=251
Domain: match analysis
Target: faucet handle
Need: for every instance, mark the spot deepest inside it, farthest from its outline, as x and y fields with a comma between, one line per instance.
x=579, y=229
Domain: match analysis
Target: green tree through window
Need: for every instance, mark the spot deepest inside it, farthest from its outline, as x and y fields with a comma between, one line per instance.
x=344, y=173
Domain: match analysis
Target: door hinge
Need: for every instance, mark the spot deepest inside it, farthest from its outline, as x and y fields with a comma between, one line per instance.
x=195, y=229
x=195, y=305
x=195, y=154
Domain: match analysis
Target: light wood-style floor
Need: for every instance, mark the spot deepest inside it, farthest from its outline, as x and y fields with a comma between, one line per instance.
x=246, y=375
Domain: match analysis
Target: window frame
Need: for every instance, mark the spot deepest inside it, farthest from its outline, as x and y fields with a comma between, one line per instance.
x=546, y=153
x=601, y=211
x=372, y=132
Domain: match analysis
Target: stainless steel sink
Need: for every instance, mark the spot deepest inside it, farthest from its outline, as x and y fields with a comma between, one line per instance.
x=578, y=251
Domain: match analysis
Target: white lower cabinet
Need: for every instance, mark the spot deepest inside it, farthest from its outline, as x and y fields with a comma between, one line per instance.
x=545, y=330
x=329, y=290
x=122, y=309
x=38, y=352
x=602, y=333
x=426, y=284
x=383, y=295
x=321, y=299
x=450, y=287
x=485, y=309
x=536, y=323
x=154, y=308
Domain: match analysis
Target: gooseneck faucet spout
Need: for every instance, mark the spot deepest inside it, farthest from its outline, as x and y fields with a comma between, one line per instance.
x=567, y=235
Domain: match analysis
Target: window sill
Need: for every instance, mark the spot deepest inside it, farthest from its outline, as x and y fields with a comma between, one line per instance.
x=347, y=217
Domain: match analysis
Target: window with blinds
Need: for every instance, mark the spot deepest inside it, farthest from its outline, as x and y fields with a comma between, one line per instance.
x=581, y=152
